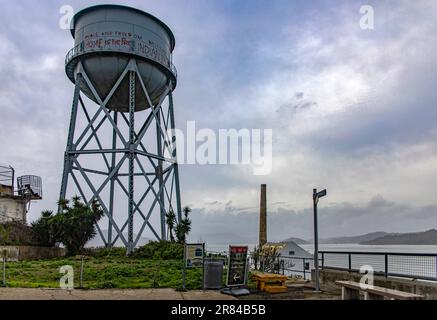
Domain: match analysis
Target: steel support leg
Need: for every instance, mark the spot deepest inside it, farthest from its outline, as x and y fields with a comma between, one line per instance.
x=176, y=166
x=112, y=185
x=131, y=159
x=70, y=139
x=131, y=151
x=159, y=175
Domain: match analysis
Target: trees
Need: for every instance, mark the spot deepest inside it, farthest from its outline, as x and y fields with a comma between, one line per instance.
x=42, y=229
x=181, y=229
x=73, y=226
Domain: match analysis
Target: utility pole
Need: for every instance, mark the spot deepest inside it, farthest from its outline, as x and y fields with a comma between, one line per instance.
x=316, y=197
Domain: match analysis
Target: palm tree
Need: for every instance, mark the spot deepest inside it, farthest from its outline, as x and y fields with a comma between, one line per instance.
x=184, y=226
x=170, y=218
x=187, y=210
x=179, y=230
x=63, y=204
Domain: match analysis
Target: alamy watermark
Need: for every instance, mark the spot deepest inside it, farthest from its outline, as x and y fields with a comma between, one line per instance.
x=67, y=280
x=367, y=21
x=67, y=12
x=205, y=146
x=366, y=281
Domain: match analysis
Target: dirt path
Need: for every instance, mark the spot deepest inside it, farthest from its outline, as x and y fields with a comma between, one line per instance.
x=140, y=294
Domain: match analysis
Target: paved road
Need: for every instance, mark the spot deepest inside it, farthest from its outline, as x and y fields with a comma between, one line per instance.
x=140, y=294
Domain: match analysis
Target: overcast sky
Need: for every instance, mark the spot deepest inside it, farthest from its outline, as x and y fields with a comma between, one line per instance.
x=352, y=110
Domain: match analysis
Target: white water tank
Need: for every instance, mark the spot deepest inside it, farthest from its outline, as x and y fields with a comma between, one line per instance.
x=106, y=37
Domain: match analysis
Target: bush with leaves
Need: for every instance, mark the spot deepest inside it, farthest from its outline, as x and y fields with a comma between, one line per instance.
x=43, y=229
x=268, y=257
x=17, y=234
x=103, y=252
x=160, y=250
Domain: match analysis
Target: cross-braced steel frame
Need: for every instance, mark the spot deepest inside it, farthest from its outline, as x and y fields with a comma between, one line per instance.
x=161, y=181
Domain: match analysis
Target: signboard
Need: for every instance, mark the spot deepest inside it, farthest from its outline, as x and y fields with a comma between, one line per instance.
x=194, y=255
x=237, y=268
x=321, y=194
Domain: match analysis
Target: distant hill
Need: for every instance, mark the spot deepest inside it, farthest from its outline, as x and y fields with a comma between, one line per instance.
x=354, y=239
x=415, y=238
x=296, y=240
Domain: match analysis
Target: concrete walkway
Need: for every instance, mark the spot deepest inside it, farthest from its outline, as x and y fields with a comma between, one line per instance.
x=140, y=294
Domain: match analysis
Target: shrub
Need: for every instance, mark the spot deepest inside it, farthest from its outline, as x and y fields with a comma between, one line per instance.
x=73, y=226
x=103, y=252
x=42, y=229
x=17, y=234
x=268, y=255
x=160, y=250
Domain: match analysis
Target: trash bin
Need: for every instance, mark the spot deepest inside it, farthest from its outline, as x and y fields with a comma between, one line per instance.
x=213, y=277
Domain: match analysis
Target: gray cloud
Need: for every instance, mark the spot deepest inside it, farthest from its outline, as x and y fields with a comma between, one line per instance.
x=348, y=219
x=355, y=109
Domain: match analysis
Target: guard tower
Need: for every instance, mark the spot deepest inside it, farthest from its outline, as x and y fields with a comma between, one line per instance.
x=121, y=149
x=15, y=203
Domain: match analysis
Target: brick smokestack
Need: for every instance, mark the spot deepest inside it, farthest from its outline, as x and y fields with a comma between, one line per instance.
x=263, y=217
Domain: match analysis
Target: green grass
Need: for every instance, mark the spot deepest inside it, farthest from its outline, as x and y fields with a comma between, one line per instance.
x=103, y=273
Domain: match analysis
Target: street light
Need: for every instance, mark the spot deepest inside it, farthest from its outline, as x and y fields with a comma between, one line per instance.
x=316, y=197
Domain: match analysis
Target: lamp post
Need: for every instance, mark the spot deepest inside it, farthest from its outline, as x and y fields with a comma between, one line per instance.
x=316, y=197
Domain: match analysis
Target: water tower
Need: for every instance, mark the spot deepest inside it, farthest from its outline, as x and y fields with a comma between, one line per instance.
x=122, y=152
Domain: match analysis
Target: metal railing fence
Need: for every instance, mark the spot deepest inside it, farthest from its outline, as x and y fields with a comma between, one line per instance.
x=406, y=265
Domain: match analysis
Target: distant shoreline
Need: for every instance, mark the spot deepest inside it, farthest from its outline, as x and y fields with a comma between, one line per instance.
x=428, y=237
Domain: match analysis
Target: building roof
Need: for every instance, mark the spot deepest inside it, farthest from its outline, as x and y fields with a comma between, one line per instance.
x=292, y=249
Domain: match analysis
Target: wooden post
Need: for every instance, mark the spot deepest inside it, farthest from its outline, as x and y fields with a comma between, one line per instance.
x=349, y=294
x=81, y=273
x=4, y=269
x=184, y=268
x=372, y=296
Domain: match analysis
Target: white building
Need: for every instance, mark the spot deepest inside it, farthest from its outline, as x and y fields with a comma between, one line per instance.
x=14, y=203
x=292, y=249
x=12, y=208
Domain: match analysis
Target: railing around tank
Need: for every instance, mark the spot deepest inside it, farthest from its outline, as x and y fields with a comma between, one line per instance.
x=73, y=53
x=80, y=49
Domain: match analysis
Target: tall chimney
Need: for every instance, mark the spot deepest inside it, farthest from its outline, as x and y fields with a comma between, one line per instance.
x=263, y=217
